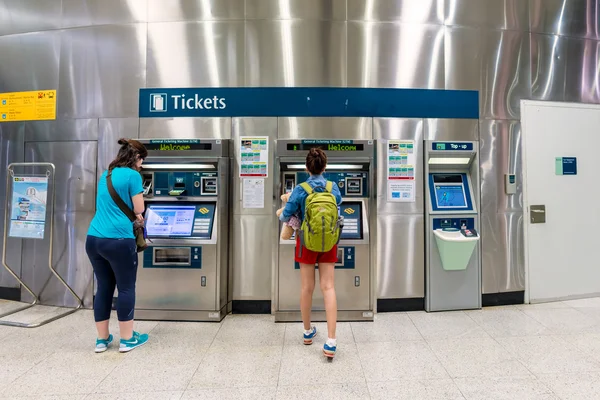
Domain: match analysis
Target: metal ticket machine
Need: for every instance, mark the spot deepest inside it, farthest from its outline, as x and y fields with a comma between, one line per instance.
x=183, y=273
x=350, y=167
x=452, y=240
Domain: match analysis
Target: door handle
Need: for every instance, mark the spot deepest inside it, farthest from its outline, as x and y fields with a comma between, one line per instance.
x=537, y=214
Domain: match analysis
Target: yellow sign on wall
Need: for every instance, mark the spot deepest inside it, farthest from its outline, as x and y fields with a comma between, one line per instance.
x=28, y=106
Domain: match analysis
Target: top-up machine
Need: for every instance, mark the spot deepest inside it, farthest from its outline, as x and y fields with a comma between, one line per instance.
x=350, y=167
x=453, y=256
x=183, y=273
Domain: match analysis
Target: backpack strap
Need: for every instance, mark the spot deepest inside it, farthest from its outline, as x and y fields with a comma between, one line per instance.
x=307, y=188
x=329, y=186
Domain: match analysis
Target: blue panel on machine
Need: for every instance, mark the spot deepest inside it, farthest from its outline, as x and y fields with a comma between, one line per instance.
x=451, y=146
x=352, y=213
x=450, y=192
x=453, y=223
x=346, y=258
x=181, y=183
x=173, y=257
x=351, y=184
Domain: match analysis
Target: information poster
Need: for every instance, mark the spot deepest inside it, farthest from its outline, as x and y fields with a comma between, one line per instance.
x=28, y=106
x=254, y=157
x=401, y=162
x=253, y=195
x=28, y=207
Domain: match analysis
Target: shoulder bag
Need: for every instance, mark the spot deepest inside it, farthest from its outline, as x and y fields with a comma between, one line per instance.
x=138, y=228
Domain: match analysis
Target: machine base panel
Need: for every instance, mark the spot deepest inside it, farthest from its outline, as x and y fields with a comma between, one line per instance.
x=400, y=305
x=319, y=316
x=180, y=315
x=251, y=307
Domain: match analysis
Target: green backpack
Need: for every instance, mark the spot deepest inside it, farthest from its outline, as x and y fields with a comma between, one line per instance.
x=320, y=229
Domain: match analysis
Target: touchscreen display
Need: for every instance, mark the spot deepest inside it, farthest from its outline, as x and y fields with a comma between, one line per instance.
x=450, y=196
x=170, y=220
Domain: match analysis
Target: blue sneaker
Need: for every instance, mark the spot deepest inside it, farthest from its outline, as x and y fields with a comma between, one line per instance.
x=329, y=351
x=102, y=344
x=136, y=340
x=308, y=337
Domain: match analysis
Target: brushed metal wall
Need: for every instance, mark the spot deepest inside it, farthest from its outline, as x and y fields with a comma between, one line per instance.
x=98, y=53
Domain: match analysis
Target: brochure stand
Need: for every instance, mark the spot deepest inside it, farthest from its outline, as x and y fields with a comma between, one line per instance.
x=25, y=216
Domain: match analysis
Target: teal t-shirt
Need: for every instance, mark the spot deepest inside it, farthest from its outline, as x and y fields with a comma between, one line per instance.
x=110, y=222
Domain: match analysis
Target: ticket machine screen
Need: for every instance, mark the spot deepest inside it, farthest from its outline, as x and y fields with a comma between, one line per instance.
x=449, y=190
x=352, y=213
x=179, y=220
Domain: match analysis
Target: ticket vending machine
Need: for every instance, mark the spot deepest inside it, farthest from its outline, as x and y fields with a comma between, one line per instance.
x=183, y=273
x=452, y=241
x=351, y=168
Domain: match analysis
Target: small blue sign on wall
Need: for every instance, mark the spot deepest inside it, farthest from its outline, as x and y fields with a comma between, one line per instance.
x=566, y=165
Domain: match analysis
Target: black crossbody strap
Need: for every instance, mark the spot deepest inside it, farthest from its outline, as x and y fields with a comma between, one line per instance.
x=118, y=200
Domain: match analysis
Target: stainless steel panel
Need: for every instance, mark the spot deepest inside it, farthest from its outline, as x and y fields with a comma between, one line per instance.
x=463, y=58
x=488, y=14
x=395, y=55
x=411, y=11
x=29, y=62
x=295, y=53
x=505, y=74
x=253, y=127
x=500, y=154
x=548, y=67
x=325, y=128
x=75, y=171
x=503, y=259
x=194, y=10
x=109, y=132
x=206, y=54
x=70, y=260
x=77, y=13
x=251, y=251
x=12, y=149
x=583, y=71
x=451, y=129
x=385, y=129
x=185, y=128
x=400, y=256
x=102, y=69
x=580, y=18
x=19, y=16
x=61, y=130
x=296, y=9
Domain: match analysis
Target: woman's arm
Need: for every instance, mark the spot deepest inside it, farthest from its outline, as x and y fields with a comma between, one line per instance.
x=136, y=191
x=337, y=194
x=292, y=206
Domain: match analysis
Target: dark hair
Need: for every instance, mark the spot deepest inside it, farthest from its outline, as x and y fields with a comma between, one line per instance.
x=130, y=152
x=316, y=161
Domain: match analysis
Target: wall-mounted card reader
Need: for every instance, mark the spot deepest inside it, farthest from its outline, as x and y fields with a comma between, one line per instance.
x=209, y=186
x=510, y=183
x=354, y=186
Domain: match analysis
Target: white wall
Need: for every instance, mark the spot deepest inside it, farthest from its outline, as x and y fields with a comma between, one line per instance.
x=562, y=256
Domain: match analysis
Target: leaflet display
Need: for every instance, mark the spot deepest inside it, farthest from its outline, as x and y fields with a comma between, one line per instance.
x=450, y=196
x=28, y=207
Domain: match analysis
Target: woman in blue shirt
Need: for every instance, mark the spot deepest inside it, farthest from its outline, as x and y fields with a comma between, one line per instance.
x=112, y=249
x=316, y=161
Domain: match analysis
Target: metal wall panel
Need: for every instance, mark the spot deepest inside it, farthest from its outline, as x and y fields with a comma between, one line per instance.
x=61, y=130
x=206, y=54
x=579, y=18
x=463, y=58
x=488, y=14
x=195, y=10
x=398, y=129
x=12, y=149
x=109, y=132
x=451, y=129
x=400, y=256
x=29, y=62
x=324, y=128
x=102, y=69
x=19, y=16
x=583, y=71
x=185, y=128
x=75, y=205
x=296, y=9
x=395, y=55
x=295, y=53
x=76, y=13
x=410, y=11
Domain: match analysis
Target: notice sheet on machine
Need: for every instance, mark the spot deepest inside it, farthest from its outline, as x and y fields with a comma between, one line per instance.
x=401, y=162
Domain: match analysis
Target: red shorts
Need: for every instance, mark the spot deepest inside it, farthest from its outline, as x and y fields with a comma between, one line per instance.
x=313, y=257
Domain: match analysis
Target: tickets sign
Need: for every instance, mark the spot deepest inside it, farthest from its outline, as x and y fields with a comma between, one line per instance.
x=28, y=106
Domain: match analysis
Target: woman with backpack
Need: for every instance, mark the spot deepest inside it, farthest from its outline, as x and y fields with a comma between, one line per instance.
x=318, y=202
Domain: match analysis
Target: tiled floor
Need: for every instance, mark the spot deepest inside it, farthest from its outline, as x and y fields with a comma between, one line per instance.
x=549, y=351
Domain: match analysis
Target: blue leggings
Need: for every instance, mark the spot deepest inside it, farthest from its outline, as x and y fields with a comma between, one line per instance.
x=115, y=262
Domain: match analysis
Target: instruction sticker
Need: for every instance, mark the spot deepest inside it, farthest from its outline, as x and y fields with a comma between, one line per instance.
x=28, y=106
x=254, y=157
x=253, y=195
x=401, y=162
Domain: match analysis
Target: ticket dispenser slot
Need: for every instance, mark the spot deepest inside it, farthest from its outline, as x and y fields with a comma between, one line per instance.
x=289, y=183
x=147, y=179
x=354, y=187
x=209, y=186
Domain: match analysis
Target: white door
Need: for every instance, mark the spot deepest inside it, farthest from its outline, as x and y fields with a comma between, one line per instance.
x=562, y=254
